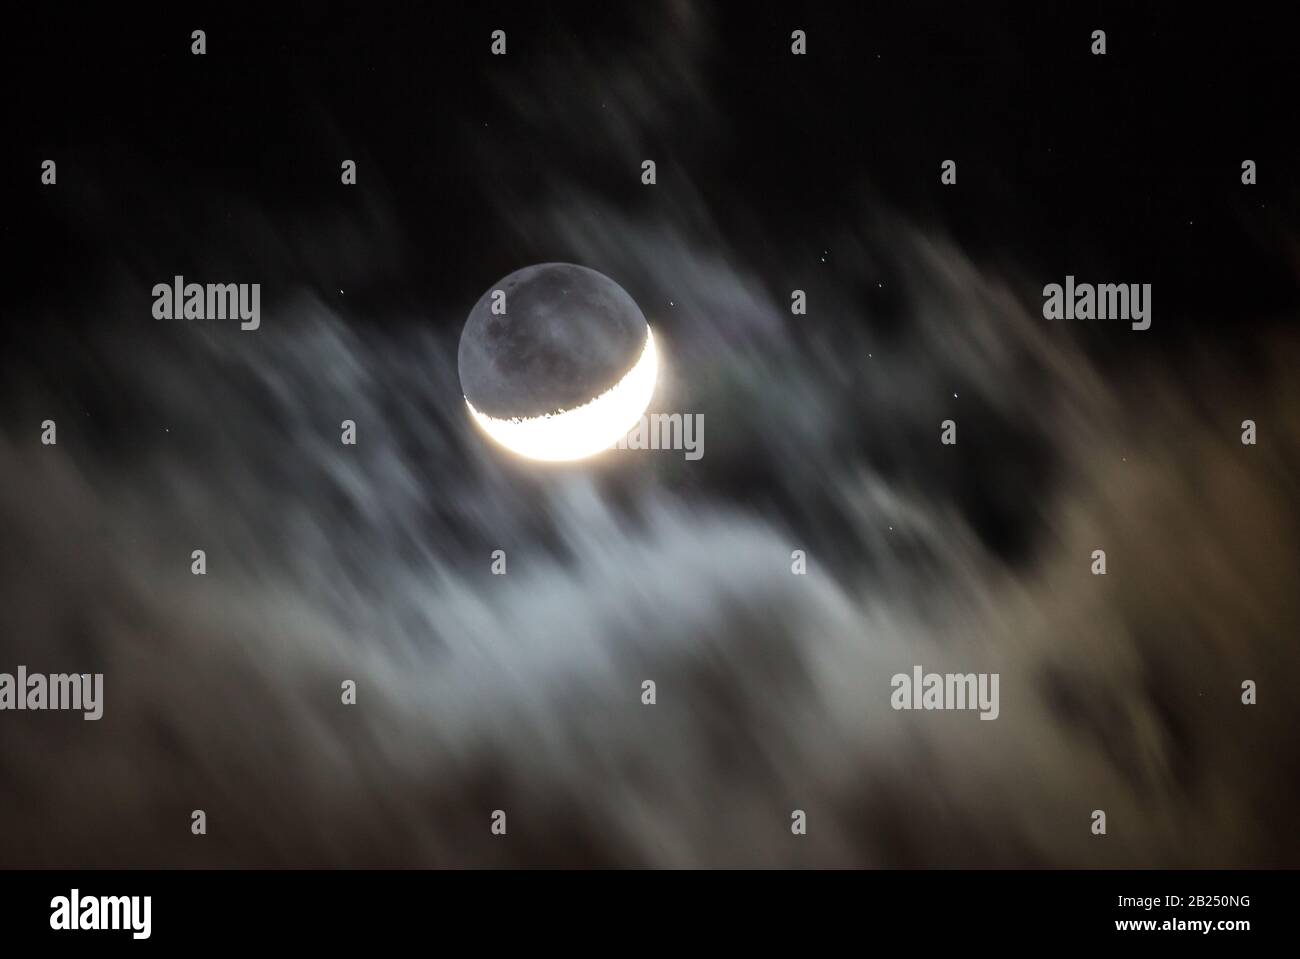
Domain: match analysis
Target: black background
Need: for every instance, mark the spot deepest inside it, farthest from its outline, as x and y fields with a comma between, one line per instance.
x=635, y=910
x=1127, y=164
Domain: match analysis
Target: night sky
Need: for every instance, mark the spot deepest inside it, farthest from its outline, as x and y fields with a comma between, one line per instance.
x=775, y=172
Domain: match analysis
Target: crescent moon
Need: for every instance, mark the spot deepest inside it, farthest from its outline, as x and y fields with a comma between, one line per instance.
x=585, y=430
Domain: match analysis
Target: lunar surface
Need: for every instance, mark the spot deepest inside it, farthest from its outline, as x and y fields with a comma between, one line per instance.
x=557, y=362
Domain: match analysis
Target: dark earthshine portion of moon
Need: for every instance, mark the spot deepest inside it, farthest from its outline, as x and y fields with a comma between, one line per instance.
x=568, y=335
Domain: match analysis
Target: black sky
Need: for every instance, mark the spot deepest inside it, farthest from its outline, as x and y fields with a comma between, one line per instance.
x=1126, y=164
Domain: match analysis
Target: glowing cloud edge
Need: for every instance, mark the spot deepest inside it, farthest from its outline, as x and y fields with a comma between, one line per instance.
x=584, y=430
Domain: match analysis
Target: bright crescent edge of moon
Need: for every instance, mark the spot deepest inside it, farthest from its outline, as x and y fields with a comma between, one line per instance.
x=584, y=430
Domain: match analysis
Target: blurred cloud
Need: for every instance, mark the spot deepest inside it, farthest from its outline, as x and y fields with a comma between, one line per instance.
x=522, y=692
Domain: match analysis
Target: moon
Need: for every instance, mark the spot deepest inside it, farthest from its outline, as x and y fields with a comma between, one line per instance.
x=557, y=362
